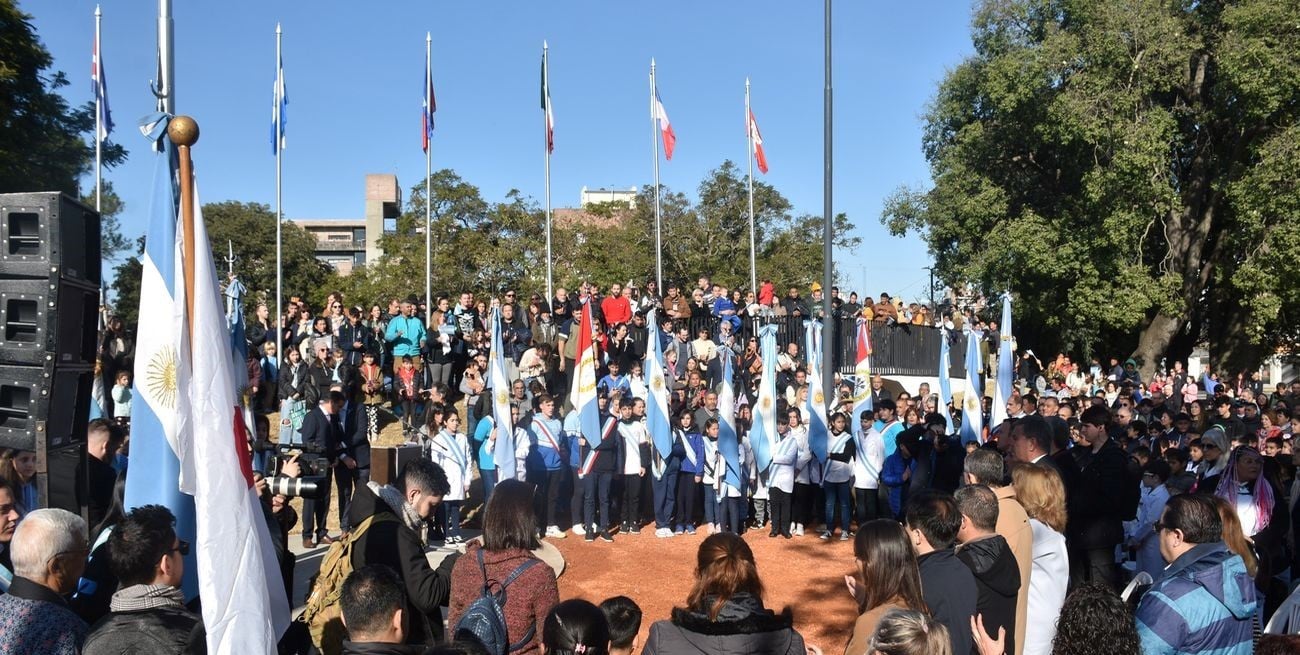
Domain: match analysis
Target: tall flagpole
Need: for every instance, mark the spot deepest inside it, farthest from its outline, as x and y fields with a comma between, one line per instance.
x=164, y=88
x=428, y=190
x=99, y=156
x=654, y=138
x=828, y=326
x=279, y=203
x=546, y=136
x=749, y=137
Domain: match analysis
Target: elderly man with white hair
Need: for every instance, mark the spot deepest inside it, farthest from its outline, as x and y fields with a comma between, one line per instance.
x=49, y=554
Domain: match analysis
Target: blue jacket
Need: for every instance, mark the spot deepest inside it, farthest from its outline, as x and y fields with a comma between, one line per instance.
x=891, y=475
x=695, y=442
x=551, y=459
x=408, y=344
x=1202, y=603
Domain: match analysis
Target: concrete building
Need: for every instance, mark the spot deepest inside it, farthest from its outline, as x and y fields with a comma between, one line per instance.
x=346, y=243
x=593, y=196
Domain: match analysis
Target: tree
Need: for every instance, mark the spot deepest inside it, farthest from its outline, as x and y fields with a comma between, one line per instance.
x=112, y=241
x=249, y=228
x=41, y=145
x=126, y=286
x=1127, y=169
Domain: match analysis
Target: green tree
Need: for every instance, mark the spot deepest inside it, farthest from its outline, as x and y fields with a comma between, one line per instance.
x=42, y=145
x=1128, y=169
x=126, y=286
x=249, y=229
x=112, y=242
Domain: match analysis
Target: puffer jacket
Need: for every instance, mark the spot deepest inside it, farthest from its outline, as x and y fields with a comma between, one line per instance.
x=997, y=579
x=1203, y=603
x=744, y=627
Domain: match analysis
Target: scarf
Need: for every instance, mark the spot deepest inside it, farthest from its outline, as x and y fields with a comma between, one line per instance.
x=397, y=502
x=141, y=597
x=1262, y=492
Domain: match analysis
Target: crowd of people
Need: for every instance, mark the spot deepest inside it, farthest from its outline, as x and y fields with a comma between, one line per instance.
x=1018, y=542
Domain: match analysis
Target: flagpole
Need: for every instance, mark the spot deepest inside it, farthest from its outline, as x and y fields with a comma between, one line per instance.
x=828, y=327
x=99, y=158
x=749, y=137
x=184, y=132
x=279, y=202
x=164, y=88
x=654, y=138
x=428, y=191
x=546, y=135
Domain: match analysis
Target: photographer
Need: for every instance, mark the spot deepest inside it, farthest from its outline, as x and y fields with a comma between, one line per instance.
x=280, y=516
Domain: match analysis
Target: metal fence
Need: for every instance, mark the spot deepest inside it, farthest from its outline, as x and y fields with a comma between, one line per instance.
x=896, y=349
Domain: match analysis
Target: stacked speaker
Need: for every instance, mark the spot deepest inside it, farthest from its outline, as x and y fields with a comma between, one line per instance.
x=49, y=309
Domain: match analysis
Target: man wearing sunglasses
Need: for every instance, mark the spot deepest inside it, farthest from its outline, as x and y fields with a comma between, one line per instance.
x=148, y=611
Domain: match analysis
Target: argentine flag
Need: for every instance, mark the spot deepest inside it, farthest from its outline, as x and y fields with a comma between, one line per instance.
x=657, y=422
x=945, y=381
x=1002, y=390
x=584, y=387
x=503, y=455
x=972, y=416
x=762, y=436
x=728, y=438
x=160, y=413
x=861, y=371
x=815, y=409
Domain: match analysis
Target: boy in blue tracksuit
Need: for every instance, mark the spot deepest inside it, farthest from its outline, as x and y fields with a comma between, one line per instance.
x=897, y=470
x=691, y=473
x=546, y=431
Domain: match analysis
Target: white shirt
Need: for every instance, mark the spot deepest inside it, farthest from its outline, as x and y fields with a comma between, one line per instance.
x=784, y=461
x=834, y=471
x=451, y=452
x=870, y=461
x=634, y=435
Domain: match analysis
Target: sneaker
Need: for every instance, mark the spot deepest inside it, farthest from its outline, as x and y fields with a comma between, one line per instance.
x=798, y=529
x=680, y=530
x=636, y=529
x=826, y=536
x=606, y=537
x=555, y=532
x=773, y=533
x=845, y=536
x=579, y=529
x=690, y=529
x=663, y=533
x=590, y=536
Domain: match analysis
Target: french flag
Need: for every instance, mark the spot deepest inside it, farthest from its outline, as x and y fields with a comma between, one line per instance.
x=665, y=127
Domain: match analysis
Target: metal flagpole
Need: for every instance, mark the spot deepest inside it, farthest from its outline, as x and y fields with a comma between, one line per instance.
x=99, y=188
x=828, y=326
x=428, y=192
x=749, y=137
x=654, y=138
x=279, y=203
x=546, y=136
x=164, y=87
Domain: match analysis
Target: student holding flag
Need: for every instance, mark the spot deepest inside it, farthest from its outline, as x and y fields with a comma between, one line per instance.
x=714, y=471
x=785, y=459
x=597, y=474
x=633, y=453
x=691, y=474
x=735, y=454
x=666, y=454
x=450, y=450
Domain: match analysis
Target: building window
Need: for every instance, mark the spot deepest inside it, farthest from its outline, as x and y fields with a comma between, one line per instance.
x=359, y=234
x=336, y=236
x=358, y=258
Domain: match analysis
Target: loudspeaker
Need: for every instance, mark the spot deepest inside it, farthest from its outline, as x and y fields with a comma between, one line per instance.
x=48, y=235
x=51, y=320
x=44, y=407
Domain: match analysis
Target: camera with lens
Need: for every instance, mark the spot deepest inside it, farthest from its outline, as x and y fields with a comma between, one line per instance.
x=312, y=482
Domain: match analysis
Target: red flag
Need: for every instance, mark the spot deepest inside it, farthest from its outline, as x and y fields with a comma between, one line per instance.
x=758, y=143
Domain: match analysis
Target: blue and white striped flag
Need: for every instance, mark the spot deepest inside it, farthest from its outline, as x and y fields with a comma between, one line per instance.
x=503, y=455
x=945, y=380
x=762, y=436
x=972, y=413
x=279, y=109
x=657, y=421
x=99, y=84
x=728, y=438
x=1006, y=361
x=816, y=405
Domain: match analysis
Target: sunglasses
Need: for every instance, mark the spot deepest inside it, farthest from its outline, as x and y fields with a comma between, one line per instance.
x=183, y=548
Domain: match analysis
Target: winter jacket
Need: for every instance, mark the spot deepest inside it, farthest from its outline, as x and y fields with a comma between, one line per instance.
x=528, y=599
x=1203, y=603
x=997, y=581
x=1013, y=525
x=743, y=627
x=162, y=630
x=371, y=648
x=865, y=626
x=1096, y=503
x=949, y=590
x=34, y=619
x=891, y=477
x=1047, y=586
x=397, y=546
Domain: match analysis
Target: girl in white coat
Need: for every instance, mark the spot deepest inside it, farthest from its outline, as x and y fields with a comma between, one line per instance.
x=1143, y=537
x=450, y=450
x=785, y=459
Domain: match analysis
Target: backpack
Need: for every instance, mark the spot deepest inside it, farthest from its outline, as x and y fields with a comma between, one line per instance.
x=322, y=614
x=485, y=618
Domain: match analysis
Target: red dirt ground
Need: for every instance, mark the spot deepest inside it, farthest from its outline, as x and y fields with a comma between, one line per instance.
x=804, y=573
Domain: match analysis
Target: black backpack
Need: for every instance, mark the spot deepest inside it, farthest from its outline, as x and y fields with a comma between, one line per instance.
x=485, y=618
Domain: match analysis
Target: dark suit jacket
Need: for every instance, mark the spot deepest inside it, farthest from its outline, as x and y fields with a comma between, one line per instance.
x=324, y=432
x=354, y=437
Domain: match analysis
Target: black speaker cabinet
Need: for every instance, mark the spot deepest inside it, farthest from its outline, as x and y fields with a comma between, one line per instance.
x=48, y=235
x=44, y=407
x=48, y=321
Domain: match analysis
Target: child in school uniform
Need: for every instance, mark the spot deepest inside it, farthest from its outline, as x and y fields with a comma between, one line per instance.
x=691, y=475
x=714, y=469
x=731, y=498
x=785, y=459
x=450, y=450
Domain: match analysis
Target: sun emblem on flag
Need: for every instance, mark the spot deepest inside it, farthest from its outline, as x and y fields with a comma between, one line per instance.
x=657, y=383
x=765, y=403
x=972, y=404
x=160, y=377
x=501, y=397
x=818, y=397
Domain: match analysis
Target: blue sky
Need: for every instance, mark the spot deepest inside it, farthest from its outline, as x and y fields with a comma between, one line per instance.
x=353, y=71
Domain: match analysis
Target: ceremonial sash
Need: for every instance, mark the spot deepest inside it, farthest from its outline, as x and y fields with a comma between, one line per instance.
x=611, y=426
x=686, y=443
x=451, y=451
x=837, y=446
x=546, y=433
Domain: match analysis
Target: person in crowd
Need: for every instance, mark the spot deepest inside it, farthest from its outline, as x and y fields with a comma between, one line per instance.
x=406, y=336
x=1263, y=514
x=986, y=553
x=375, y=611
x=1204, y=601
x=948, y=587
x=576, y=627
x=505, y=556
x=1214, y=460
x=691, y=474
x=1040, y=491
x=96, y=479
x=10, y=514
x=837, y=475
x=1234, y=538
x=49, y=551
x=633, y=457
x=450, y=451
x=986, y=467
x=910, y=632
x=599, y=463
x=623, y=616
x=122, y=398
x=886, y=578
x=18, y=470
x=1098, y=506
x=406, y=381
x=397, y=514
x=1093, y=621
x=724, y=612
x=1142, y=537
x=148, y=613
x=547, y=432
x=322, y=430
x=896, y=473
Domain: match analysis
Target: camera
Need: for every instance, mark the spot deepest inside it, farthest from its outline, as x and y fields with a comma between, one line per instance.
x=313, y=481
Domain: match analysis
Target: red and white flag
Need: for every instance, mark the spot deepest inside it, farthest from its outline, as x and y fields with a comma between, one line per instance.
x=244, y=605
x=665, y=127
x=757, y=140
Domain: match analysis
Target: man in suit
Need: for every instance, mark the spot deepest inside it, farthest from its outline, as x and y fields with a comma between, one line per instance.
x=353, y=467
x=322, y=431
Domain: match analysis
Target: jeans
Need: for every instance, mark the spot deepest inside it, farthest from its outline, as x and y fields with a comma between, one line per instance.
x=489, y=482
x=780, y=503
x=711, y=510
x=837, y=494
x=665, y=496
x=453, y=517
x=687, y=487
x=865, y=507
x=631, y=498
x=804, y=496
x=596, y=485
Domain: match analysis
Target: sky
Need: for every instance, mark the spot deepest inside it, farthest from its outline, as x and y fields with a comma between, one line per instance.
x=354, y=73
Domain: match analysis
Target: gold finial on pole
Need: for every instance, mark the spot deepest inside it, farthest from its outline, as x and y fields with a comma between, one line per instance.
x=184, y=132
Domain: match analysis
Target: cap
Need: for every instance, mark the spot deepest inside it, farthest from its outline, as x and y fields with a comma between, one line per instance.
x=816, y=286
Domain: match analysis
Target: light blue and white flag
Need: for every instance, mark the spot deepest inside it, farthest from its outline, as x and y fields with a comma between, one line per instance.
x=945, y=380
x=762, y=436
x=279, y=109
x=657, y=421
x=728, y=438
x=503, y=455
x=1006, y=361
x=972, y=417
x=862, y=372
x=815, y=409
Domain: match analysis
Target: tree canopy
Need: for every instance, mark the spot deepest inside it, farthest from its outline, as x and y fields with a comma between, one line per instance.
x=1128, y=169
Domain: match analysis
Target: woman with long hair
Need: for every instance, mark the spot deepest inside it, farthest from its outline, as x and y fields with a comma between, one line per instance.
x=885, y=578
x=1249, y=484
x=293, y=395
x=724, y=612
x=1042, y=493
x=504, y=557
x=1233, y=536
x=18, y=469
